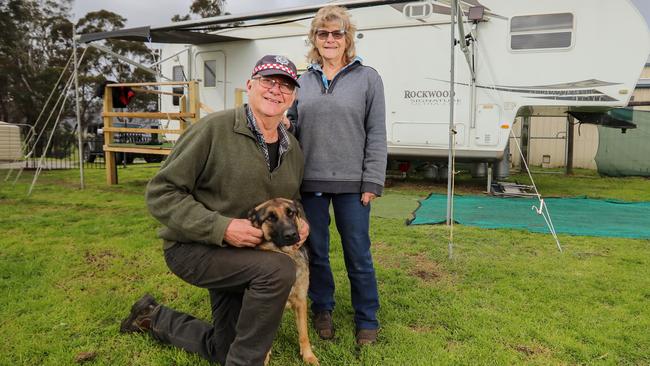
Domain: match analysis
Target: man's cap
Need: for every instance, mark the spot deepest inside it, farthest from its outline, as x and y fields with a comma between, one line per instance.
x=276, y=65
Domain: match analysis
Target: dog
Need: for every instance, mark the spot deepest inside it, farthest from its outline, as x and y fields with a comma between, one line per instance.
x=280, y=220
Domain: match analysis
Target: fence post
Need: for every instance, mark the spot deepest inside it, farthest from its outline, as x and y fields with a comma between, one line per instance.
x=75, y=69
x=109, y=156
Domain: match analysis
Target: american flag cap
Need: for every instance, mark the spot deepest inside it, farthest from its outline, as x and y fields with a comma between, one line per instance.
x=276, y=65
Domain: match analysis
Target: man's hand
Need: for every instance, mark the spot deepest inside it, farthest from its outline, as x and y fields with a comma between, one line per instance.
x=241, y=233
x=366, y=197
x=304, y=231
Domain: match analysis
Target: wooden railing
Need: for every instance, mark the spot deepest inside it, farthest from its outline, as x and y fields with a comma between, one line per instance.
x=188, y=113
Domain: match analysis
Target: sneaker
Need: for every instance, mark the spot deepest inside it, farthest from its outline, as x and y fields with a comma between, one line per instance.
x=322, y=322
x=139, y=320
x=366, y=336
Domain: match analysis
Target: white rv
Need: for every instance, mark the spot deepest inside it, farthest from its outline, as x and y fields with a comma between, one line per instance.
x=523, y=58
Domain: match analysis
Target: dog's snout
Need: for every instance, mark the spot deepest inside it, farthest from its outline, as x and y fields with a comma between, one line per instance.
x=290, y=237
x=286, y=237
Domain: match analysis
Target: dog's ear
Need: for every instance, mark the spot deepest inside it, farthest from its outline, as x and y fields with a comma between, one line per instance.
x=254, y=217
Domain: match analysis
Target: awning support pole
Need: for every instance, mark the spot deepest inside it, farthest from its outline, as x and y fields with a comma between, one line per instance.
x=126, y=59
x=452, y=99
x=76, y=93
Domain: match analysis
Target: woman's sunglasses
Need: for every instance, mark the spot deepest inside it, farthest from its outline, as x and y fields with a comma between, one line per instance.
x=323, y=34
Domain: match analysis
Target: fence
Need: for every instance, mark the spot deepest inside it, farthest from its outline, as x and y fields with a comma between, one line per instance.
x=63, y=152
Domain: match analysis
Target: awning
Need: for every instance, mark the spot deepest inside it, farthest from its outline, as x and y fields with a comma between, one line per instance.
x=616, y=118
x=146, y=34
x=194, y=31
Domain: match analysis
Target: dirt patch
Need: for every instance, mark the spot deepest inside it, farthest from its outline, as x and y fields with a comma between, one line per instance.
x=100, y=260
x=420, y=328
x=466, y=185
x=531, y=350
x=425, y=269
x=85, y=357
x=453, y=345
x=587, y=255
x=416, y=264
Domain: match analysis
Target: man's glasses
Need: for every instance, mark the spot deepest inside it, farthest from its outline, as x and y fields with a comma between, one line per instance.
x=323, y=34
x=268, y=83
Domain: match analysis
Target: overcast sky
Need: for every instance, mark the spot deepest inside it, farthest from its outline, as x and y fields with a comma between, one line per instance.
x=159, y=12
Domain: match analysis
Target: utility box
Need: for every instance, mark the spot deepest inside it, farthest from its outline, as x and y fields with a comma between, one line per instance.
x=10, y=142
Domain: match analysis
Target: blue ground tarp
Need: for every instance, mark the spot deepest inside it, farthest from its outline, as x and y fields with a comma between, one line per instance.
x=576, y=216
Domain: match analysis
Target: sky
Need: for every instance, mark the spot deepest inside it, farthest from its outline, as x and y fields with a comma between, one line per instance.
x=159, y=12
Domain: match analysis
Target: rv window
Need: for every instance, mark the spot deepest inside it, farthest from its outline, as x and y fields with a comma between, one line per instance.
x=210, y=73
x=540, y=41
x=541, y=22
x=177, y=75
x=547, y=31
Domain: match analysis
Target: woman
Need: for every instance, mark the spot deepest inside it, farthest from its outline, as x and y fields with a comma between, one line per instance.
x=339, y=119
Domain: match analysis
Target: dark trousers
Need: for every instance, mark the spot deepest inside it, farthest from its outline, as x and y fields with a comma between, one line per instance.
x=248, y=291
x=352, y=222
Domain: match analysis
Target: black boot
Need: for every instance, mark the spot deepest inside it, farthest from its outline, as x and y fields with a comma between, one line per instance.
x=140, y=318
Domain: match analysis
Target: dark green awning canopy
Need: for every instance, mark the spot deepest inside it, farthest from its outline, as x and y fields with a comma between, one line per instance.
x=616, y=118
x=146, y=34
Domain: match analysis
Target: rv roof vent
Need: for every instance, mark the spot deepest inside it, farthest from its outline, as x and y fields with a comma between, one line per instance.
x=418, y=10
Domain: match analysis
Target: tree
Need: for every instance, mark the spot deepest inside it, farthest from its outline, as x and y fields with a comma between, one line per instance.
x=203, y=8
x=99, y=67
x=34, y=46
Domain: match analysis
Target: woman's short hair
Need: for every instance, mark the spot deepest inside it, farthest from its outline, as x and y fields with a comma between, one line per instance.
x=332, y=14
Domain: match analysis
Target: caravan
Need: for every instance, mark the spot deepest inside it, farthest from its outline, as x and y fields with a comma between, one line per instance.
x=516, y=58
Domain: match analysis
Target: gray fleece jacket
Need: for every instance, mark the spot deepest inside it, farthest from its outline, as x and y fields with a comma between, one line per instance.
x=341, y=126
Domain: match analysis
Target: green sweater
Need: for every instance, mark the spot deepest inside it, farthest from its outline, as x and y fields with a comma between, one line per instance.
x=217, y=172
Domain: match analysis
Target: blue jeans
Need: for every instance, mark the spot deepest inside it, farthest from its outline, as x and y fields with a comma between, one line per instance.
x=352, y=222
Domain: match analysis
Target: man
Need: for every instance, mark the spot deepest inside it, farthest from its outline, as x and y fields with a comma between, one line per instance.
x=220, y=168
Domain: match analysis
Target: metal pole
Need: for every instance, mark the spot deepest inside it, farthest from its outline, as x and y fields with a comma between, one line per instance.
x=525, y=141
x=76, y=93
x=570, y=136
x=452, y=96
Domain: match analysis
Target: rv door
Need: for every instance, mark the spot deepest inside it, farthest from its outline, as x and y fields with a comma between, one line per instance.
x=211, y=70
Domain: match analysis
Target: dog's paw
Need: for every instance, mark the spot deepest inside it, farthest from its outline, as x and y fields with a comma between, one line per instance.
x=310, y=358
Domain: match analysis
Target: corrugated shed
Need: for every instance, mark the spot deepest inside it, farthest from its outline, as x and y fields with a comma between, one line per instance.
x=10, y=142
x=548, y=143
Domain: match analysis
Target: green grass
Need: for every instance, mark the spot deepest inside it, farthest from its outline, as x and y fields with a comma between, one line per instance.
x=72, y=262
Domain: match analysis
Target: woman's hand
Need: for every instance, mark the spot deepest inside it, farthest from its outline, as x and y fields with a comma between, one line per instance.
x=304, y=231
x=366, y=197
